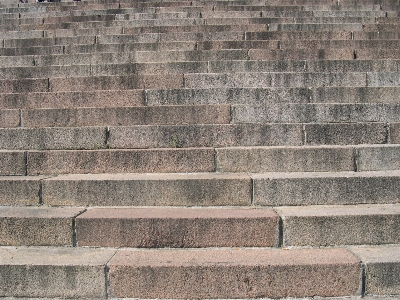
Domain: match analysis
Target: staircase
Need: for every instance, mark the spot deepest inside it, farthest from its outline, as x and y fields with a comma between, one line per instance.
x=199, y=149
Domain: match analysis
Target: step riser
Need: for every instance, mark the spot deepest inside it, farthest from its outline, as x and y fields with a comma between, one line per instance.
x=178, y=228
x=137, y=279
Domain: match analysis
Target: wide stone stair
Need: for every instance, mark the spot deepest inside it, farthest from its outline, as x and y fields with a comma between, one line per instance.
x=198, y=149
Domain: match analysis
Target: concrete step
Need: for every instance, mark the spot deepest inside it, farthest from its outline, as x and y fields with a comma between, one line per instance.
x=340, y=225
x=233, y=273
x=37, y=226
x=178, y=227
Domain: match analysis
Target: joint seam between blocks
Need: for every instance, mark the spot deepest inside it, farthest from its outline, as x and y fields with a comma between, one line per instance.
x=26, y=162
x=388, y=133
x=107, y=138
x=304, y=135
x=21, y=122
x=251, y=191
x=214, y=168
x=74, y=241
x=356, y=158
x=106, y=275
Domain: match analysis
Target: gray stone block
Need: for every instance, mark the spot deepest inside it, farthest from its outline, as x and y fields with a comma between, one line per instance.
x=382, y=267
x=161, y=227
x=346, y=134
x=277, y=189
x=229, y=273
x=340, y=225
x=383, y=79
x=24, y=85
x=262, y=80
x=37, y=226
x=20, y=190
x=143, y=115
x=53, y=138
x=12, y=163
x=120, y=98
x=9, y=118
x=53, y=272
x=285, y=159
x=187, y=136
x=376, y=158
x=121, y=161
x=148, y=190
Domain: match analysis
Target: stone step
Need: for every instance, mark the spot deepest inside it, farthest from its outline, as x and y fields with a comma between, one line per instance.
x=326, y=158
x=340, y=188
x=177, y=227
x=193, y=136
x=315, y=113
x=186, y=96
x=203, y=189
x=340, y=225
x=54, y=272
x=243, y=95
x=201, y=81
x=121, y=98
x=381, y=265
x=233, y=273
x=307, y=159
x=91, y=83
x=306, y=79
x=37, y=226
x=117, y=116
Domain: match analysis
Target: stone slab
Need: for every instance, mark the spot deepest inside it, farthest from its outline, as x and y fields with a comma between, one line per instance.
x=285, y=159
x=9, y=118
x=148, y=190
x=233, y=273
x=53, y=272
x=262, y=80
x=340, y=225
x=395, y=133
x=276, y=189
x=20, y=190
x=12, y=163
x=91, y=83
x=53, y=138
x=24, y=85
x=382, y=267
x=177, y=227
x=111, y=98
x=315, y=113
x=377, y=158
x=139, y=115
x=346, y=134
x=37, y=226
x=121, y=161
x=185, y=136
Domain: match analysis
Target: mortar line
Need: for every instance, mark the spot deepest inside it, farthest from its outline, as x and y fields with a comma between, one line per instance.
x=74, y=241
x=356, y=154
x=388, y=133
x=106, y=271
